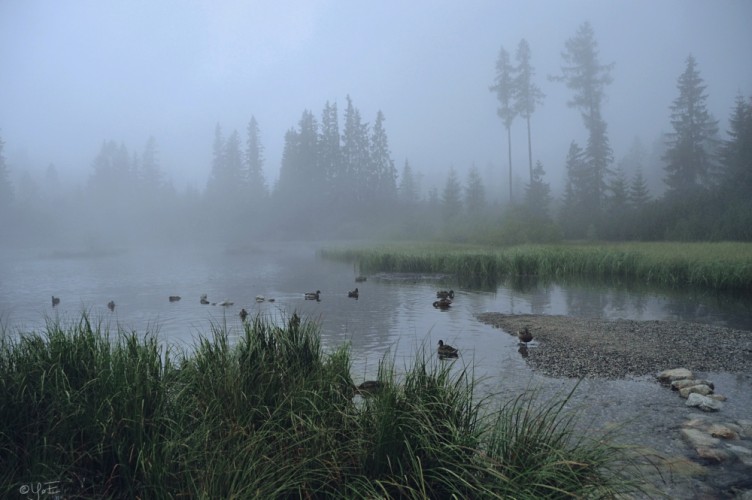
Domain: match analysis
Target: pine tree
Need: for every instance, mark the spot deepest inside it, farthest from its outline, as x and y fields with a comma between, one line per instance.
x=573, y=212
x=6, y=188
x=639, y=194
x=254, y=162
x=538, y=194
x=151, y=176
x=408, y=189
x=583, y=73
x=526, y=93
x=383, y=171
x=691, y=146
x=330, y=155
x=736, y=151
x=451, y=198
x=355, y=154
x=505, y=92
x=475, y=193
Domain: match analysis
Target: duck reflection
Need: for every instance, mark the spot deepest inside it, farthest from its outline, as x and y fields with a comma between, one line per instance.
x=523, y=351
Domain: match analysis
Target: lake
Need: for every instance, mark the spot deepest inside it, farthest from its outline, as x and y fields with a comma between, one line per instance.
x=392, y=317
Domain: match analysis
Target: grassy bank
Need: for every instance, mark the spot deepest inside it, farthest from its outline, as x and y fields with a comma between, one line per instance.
x=717, y=266
x=270, y=415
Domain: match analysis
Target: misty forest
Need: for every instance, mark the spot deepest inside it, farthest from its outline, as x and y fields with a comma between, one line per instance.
x=338, y=180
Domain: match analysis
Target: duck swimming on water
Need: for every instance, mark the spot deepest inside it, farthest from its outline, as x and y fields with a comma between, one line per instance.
x=447, y=351
x=313, y=295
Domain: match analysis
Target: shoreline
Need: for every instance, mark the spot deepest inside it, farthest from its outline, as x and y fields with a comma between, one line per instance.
x=571, y=347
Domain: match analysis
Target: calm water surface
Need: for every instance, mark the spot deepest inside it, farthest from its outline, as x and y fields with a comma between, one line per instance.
x=393, y=316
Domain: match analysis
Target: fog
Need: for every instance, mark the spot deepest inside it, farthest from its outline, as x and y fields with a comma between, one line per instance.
x=74, y=75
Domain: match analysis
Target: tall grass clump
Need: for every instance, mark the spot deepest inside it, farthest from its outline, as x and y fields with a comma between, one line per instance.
x=80, y=405
x=266, y=413
x=714, y=266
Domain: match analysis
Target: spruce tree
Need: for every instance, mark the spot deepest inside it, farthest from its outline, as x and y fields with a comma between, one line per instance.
x=6, y=188
x=583, y=73
x=505, y=92
x=384, y=173
x=475, y=193
x=538, y=194
x=408, y=189
x=691, y=146
x=736, y=151
x=451, y=197
x=254, y=162
x=526, y=93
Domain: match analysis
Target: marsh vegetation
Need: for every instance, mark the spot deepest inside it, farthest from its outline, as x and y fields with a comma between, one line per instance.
x=270, y=414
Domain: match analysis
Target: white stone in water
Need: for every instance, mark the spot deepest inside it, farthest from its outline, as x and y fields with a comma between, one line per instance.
x=695, y=389
x=668, y=376
x=746, y=427
x=703, y=402
x=681, y=384
x=699, y=439
x=723, y=432
x=713, y=454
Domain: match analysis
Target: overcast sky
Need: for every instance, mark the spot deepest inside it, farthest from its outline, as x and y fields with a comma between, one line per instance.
x=76, y=73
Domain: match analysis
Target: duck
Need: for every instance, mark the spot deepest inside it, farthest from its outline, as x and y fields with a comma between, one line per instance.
x=55, y=301
x=204, y=301
x=444, y=294
x=174, y=298
x=260, y=298
x=442, y=304
x=368, y=387
x=360, y=279
x=225, y=303
x=525, y=336
x=243, y=314
x=447, y=351
x=111, y=305
x=313, y=295
x=353, y=293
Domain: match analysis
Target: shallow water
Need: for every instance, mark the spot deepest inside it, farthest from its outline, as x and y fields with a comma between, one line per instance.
x=392, y=317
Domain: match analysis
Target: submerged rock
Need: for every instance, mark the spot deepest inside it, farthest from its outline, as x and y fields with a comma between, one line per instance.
x=668, y=376
x=703, y=402
x=688, y=382
x=695, y=389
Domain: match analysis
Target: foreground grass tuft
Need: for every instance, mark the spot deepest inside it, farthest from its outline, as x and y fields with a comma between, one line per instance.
x=268, y=414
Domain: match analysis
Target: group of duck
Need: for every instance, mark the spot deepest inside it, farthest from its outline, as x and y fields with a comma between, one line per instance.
x=444, y=299
x=56, y=301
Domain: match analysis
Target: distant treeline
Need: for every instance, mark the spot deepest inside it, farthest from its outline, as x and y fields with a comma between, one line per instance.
x=341, y=182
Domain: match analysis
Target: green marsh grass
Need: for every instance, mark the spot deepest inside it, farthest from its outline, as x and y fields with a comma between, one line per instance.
x=266, y=413
x=714, y=266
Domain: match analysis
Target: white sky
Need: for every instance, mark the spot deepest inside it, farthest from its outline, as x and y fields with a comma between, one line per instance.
x=76, y=73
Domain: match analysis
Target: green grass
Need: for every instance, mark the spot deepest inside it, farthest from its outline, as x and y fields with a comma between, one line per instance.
x=268, y=414
x=715, y=266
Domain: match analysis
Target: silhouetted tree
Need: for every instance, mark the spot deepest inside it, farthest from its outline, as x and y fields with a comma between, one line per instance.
x=408, y=190
x=736, y=151
x=330, y=156
x=691, y=146
x=382, y=175
x=355, y=153
x=152, y=178
x=475, y=193
x=254, y=162
x=526, y=93
x=583, y=73
x=451, y=197
x=573, y=213
x=639, y=194
x=505, y=92
x=6, y=188
x=538, y=194
x=617, y=205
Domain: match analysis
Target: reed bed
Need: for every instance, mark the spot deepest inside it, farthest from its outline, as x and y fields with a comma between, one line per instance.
x=268, y=414
x=715, y=266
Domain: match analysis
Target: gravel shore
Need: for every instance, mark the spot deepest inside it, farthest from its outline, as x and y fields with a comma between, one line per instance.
x=565, y=346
